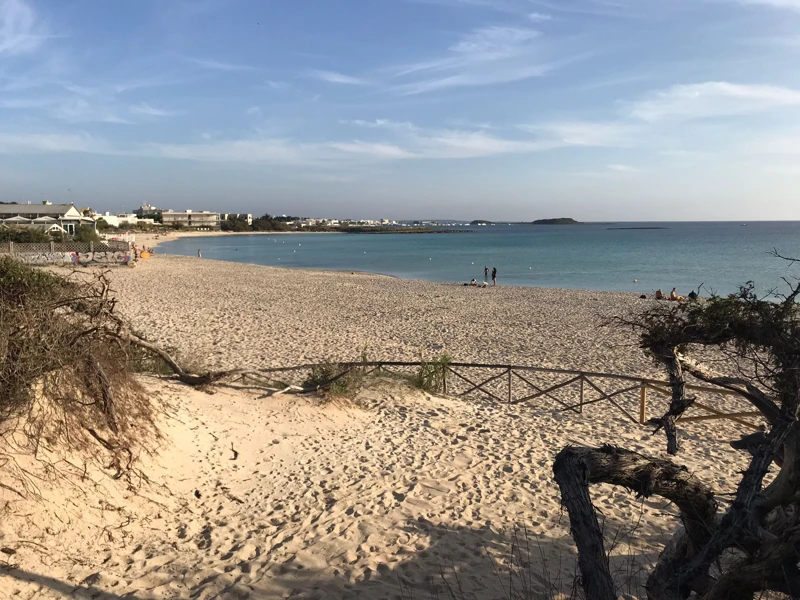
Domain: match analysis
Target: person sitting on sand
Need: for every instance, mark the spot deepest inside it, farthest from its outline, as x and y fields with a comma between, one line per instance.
x=673, y=295
x=659, y=294
x=473, y=282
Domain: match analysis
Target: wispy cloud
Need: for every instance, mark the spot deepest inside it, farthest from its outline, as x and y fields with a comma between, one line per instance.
x=397, y=141
x=537, y=17
x=216, y=65
x=711, y=99
x=279, y=86
x=340, y=78
x=622, y=168
x=372, y=149
x=38, y=142
x=78, y=110
x=790, y=4
x=20, y=30
x=584, y=133
x=484, y=56
x=145, y=109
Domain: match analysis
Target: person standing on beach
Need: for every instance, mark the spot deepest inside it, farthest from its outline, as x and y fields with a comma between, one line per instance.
x=494, y=275
x=199, y=255
x=486, y=274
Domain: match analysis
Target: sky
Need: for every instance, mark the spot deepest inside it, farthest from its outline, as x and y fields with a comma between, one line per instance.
x=497, y=109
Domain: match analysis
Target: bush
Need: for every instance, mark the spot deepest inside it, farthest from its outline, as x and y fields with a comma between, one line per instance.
x=349, y=382
x=63, y=377
x=86, y=234
x=23, y=235
x=431, y=374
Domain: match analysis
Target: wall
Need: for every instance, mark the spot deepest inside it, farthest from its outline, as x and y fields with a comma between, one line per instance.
x=113, y=257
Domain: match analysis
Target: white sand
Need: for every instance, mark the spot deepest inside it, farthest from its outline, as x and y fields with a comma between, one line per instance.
x=338, y=503
x=398, y=499
x=230, y=314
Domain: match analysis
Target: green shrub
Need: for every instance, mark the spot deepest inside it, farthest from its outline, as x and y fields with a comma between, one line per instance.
x=349, y=382
x=86, y=234
x=23, y=235
x=431, y=375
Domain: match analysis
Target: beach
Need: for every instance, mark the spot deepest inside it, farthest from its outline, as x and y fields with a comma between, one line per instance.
x=230, y=314
x=398, y=494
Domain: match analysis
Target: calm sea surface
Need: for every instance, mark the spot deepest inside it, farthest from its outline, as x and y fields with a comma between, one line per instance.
x=591, y=257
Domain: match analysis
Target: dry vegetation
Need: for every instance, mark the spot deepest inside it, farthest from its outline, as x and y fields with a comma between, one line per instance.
x=65, y=380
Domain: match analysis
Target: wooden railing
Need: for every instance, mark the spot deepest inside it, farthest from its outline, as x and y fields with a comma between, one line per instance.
x=570, y=390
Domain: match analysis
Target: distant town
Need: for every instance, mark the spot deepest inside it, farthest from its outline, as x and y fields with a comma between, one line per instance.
x=37, y=222
x=47, y=221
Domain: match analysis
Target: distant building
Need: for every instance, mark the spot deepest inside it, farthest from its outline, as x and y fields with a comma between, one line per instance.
x=193, y=220
x=234, y=216
x=148, y=209
x=44, y=216
x=124, y=219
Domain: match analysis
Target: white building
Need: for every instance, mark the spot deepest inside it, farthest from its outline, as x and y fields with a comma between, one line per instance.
x=203, y=219
x=44, y=216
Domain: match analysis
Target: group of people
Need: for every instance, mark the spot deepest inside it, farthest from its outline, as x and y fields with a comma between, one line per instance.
x=137, y=251
x=485, y=282
x=674, y=297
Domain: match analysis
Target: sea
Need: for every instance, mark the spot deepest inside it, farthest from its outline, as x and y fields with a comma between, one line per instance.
x=627, y=257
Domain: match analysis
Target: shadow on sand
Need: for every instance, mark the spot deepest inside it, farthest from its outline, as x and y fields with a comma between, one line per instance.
x=451, y=564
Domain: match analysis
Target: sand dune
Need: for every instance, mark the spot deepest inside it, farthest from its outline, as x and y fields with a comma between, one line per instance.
x=399, y=498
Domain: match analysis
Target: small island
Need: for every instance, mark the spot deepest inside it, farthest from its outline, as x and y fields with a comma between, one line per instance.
x=559, y=221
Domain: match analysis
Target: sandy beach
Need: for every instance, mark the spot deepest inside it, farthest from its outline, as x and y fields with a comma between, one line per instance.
x=230, y=314
x=399, y=495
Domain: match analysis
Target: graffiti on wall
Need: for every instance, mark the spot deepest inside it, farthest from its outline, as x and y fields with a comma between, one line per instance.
x=117, y=257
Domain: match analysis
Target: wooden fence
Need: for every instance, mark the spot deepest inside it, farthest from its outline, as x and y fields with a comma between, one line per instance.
x=568, y=390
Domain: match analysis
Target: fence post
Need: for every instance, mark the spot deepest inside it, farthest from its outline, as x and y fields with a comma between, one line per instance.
x=509, y=385
x=580, y=406
x=643, y=404
x=11, y=247
x=91, y=246
x=444, y=379
x=52, y=246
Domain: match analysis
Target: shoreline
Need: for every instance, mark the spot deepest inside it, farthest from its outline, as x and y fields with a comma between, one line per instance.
x=150, y=240
x=231, y=314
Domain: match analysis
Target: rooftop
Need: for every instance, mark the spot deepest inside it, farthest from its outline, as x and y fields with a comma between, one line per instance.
x=39, y=209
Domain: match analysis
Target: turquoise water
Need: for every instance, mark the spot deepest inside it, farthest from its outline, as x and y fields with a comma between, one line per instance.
x=592, y=257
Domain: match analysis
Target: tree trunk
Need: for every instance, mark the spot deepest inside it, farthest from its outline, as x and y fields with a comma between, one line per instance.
x=576, y=468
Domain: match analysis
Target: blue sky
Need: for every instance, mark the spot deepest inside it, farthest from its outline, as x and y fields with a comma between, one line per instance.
x=499, y=109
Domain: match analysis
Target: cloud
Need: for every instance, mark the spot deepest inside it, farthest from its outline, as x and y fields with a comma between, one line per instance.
x=334, y=77
x=215, y=65
x=26, y=103
x=584, y=133
x=622, y=168
x=425, y=143
x=688, y=154
x=790, y=4
x=279, y=86
x=36, y=142
x=374, y=150
x=150, y=111
x=79, y=110
x=272, y=151
x=485, y=56
x=20, y=31
x=539, y=17
x=711, y=99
